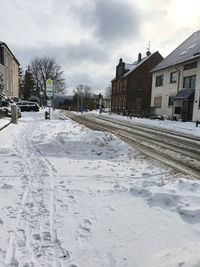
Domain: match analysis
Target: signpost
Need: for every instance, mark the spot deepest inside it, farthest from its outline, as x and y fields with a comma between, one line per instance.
x=49, y=88
x=49, y=92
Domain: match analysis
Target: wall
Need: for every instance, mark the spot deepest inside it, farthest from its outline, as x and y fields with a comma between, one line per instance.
x=10, y=74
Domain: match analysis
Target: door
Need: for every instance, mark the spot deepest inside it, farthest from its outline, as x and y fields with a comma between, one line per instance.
x=187, y=110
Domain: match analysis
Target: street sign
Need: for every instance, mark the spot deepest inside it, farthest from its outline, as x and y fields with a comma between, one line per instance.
x=49, y=88
x=48, y=103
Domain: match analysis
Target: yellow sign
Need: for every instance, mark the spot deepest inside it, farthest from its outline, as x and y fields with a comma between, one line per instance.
x=49, y=82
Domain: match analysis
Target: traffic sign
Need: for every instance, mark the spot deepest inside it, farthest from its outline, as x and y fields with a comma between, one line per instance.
x=49, y=88
x=48, y=103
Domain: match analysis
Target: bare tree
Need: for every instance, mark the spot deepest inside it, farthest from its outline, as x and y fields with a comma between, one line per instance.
x=46, y=68
x=108, y=91
x=82, y=94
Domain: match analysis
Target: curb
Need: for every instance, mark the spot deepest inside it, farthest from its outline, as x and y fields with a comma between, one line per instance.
x=1, y=128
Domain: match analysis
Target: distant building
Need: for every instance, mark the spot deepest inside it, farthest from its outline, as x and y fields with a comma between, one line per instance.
x=176, y=82
x=9, y=70
x=131, y=87
x=63, y=101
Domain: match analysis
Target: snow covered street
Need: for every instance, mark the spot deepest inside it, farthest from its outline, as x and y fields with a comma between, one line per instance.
x=73, y=197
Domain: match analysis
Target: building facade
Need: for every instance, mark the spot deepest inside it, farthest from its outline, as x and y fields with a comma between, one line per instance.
x=131, y=87
x=176, y=82
x=9, y=70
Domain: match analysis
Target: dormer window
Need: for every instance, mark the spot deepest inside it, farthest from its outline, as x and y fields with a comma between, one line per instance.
x=189, y=66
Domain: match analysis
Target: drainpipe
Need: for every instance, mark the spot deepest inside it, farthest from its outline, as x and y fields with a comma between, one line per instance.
x=177, y=89
x=178, y=82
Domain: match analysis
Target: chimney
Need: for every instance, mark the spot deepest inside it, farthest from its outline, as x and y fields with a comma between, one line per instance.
x=148, y=53
x=139, y=57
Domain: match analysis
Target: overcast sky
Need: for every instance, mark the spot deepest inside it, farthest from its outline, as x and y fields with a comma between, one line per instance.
x=87, y=37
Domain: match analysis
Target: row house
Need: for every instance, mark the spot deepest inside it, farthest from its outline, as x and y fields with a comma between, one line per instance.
x=131, y=87
x=9, y=72
x=176, y=82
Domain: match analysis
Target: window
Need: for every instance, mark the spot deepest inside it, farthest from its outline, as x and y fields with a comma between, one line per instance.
x=1, y=56
x=138, y=103
x=121, y=85
x=124, y=101
x=159, y=80
x=171, y=99
x=125, y=84
x=158, y=101
x=189, y=82
x=177, y=110
x=189, y=66
x=173, y=77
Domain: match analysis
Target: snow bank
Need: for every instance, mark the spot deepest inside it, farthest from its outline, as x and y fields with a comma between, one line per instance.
x=70, y=196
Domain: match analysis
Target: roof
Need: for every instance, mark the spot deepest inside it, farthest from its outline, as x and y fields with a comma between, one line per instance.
x=2, y=43
x=131, y=67
x=184, y=94
x=188, y=50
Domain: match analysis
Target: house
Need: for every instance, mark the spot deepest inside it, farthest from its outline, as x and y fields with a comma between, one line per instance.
x=96, y=101
x=131, y=87
x=176, y=82
x=9, y=69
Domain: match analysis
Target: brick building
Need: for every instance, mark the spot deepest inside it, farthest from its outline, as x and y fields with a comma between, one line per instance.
x=131, y=87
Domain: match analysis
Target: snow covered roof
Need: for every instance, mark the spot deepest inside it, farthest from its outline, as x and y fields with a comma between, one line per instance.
x=135, y=65
x=188, y=50
x=131, y=67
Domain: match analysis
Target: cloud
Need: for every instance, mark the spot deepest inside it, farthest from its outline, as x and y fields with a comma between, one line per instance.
x=108, y=21
x=116, y=21
x=72, y=54
x=88, y=37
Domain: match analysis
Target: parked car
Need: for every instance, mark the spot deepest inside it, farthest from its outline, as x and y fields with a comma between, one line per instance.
x=28, y=106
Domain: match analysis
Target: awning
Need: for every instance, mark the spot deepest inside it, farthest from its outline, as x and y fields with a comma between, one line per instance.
x=185, y=94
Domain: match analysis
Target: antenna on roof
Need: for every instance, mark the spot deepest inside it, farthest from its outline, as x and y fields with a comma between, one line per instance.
x=148, y=53
x=148, y=47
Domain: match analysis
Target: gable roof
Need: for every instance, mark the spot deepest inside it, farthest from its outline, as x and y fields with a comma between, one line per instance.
x=4, y=44
x=188, y=50
x=133, y=66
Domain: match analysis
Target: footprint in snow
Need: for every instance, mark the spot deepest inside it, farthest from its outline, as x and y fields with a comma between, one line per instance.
x=37, y=237
x=84, y=228
x=6, y=187
x=21, y=238
x=64, y=254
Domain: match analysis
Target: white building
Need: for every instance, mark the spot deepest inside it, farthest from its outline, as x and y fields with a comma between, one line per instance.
x=176, y=82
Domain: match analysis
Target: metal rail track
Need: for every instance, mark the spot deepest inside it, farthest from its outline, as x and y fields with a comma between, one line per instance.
x=180, y=151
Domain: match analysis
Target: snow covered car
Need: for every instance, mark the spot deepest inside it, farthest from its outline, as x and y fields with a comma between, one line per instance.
x=28, y=106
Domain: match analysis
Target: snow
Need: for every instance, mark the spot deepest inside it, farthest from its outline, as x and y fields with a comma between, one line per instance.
x=4, y=122
x=177, y=126
x=70, y=196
